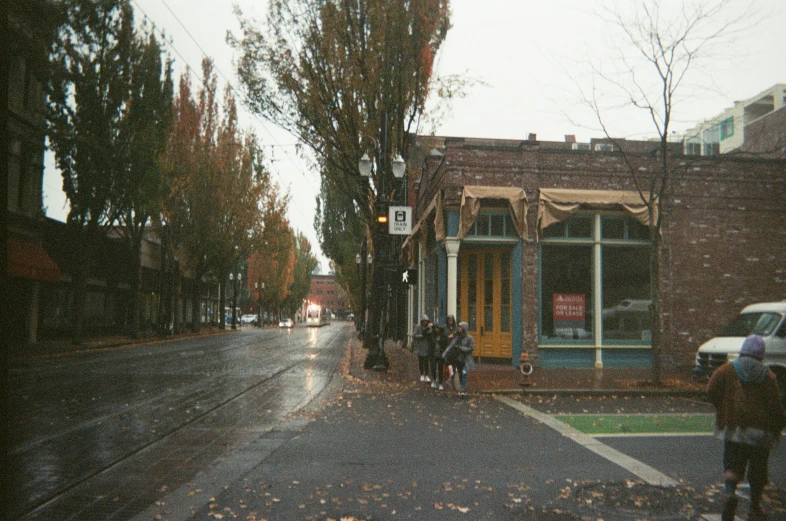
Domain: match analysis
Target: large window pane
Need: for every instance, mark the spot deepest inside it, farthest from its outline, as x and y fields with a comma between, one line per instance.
x=626, y=294
x=637, y=231
x=612, y=227
x=482, y=225
x=497, y=225
x=566, y=276
x=580, y=226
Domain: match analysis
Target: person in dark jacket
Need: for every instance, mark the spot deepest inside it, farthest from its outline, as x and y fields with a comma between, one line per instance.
x=460, y=350
x=451, y=330
x=436, y=360
x=423, y=340
x=749, y=419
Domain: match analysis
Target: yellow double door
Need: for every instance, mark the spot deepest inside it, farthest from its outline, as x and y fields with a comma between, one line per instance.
x=484, y=300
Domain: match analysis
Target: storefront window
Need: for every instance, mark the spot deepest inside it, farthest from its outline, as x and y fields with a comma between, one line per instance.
x=570, y=276
x=626, y=290
x=566, y=295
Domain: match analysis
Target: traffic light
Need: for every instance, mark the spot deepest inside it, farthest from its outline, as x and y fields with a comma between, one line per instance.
x=382, y=213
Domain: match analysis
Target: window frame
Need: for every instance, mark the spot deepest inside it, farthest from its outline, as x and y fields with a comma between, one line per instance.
x=594, y=303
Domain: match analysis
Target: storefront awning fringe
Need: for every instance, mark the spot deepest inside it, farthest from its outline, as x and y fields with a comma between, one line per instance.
x=435, y=204
x=557, y=204
x=470, y=206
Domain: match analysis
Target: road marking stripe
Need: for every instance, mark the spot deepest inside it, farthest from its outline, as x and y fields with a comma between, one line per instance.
x=634, y=466
x=649, y=434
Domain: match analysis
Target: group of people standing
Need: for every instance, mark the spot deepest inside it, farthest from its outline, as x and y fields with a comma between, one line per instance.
x=444, y=346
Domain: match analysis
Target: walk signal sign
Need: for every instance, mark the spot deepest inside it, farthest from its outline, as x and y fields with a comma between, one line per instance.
x=409, y=276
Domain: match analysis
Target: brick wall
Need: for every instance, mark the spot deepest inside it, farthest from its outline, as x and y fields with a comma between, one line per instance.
x=723, y=231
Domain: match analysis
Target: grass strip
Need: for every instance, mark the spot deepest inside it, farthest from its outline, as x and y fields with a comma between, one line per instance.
x=639, y=423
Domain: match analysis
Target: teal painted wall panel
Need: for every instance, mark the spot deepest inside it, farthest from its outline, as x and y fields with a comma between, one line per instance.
x=517, y=328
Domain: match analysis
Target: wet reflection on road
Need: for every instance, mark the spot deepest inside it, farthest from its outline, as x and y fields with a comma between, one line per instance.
x=97, y=435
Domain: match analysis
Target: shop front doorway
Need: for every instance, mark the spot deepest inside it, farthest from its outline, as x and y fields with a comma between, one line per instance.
x=484, y=300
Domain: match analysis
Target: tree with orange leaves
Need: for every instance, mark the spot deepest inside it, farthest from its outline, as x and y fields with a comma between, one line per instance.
x=216, y=182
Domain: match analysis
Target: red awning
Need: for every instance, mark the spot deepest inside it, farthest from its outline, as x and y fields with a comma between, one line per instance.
x=29, y=260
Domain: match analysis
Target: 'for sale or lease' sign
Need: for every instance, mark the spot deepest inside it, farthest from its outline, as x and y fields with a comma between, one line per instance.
x=568, y=308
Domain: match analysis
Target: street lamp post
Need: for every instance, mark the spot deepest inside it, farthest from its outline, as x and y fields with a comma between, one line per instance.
x=365, y=259
x=376, y=358
x=260, y=287
x=237, y=279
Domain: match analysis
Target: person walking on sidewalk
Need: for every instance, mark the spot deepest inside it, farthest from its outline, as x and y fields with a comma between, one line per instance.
x=749, y=419
x=451, y=330
x=436, y=360
x=423, y=346
x=462, y=347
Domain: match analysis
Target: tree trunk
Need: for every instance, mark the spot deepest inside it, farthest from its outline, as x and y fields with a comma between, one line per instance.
x=79, y=295
x=222, y=304
x=79, y=288
x=196, y=307
x=655, y=315
x=136, y=287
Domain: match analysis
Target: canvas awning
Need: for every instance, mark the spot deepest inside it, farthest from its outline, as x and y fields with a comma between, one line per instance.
x=557, y=204
x=29, y=260
x=470, y=206
x=439, y=221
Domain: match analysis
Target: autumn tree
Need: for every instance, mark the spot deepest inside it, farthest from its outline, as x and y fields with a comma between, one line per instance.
x=305, y=262
x=212, y=206
x=88, y=94
x=235, y=211
x=140, y=191
x=342, y=236
x=655, y=48
x=346, y=77
x=271, y=262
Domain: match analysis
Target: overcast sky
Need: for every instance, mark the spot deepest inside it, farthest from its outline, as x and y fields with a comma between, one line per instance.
x=530, y=55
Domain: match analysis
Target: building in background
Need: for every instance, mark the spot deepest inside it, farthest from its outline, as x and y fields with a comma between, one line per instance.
x=31, y=27
x=757, y=124
x=326, y=292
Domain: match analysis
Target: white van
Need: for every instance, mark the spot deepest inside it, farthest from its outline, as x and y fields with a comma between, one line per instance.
x=767, y=319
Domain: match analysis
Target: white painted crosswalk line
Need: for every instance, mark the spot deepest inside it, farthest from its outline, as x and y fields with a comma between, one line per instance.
x=632, y=465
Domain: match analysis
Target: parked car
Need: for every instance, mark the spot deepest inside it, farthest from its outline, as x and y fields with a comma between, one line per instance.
x=287, y=323
x=248, y=319
x=767, y=319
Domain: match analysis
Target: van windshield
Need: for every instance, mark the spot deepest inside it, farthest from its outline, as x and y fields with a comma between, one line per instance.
x=752, y=324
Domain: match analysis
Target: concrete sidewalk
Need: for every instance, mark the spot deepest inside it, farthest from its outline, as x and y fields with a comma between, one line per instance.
x=498, y=378
x=384, y=448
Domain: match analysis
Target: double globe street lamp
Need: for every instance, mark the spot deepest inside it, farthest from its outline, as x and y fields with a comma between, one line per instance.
x=376, y=357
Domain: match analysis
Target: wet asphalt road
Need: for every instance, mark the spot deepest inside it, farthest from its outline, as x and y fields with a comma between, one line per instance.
x=100, y=435
x=204, y=429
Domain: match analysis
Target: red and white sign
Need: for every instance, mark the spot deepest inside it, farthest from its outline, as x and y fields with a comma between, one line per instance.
x=568, y=307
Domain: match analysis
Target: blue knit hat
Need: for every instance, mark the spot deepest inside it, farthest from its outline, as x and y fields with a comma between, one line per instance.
x=753, y=346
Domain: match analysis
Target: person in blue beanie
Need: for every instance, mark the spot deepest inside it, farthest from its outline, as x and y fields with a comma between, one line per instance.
x=749, y=419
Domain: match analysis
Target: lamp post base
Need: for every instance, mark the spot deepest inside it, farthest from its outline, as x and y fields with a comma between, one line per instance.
x=376, y=358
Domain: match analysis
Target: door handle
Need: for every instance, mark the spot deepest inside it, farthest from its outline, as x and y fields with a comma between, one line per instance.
x=481, y=330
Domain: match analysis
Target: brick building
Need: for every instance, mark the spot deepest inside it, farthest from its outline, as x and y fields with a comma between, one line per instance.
x=32, y=26
x=326, y=292
x=544, y=246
